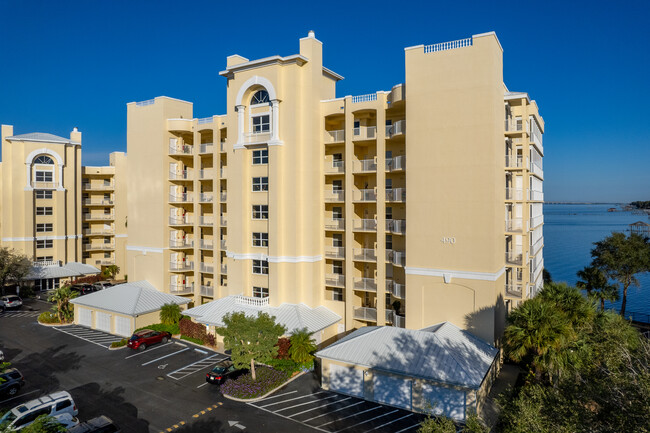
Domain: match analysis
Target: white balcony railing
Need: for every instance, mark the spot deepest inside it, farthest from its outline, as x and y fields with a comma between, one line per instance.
x=534, y=249
x=334, y=167
x=206, y=173
x=257, y=137
x=204, y=120
x=105, y=262
x=536, y=134
x=335, y=252
x=335, y=280
x=99, y=232
x=397, y=128
x=515, y=125
x=180, y=149
x=396, y=163
x=396, y=289
x=207, y=291
x=364, y=254
x=514, y=258
x=365, y=313
x=396, y=195
x=98, y=247
x=514, y=290
x=223, y=196
x=97, y=202
x=334, y=223
x=206, y=244
x=251, y=301
x=398, y=258
x=365, y=165
x=178, y=220
x=98, y=216
x=535, y=195
x=396, y=226
x=207, y=268
x=223, y=244
x=181, y=289
x=514, y=224
x=365, y=195
x=181, y=175
x=514, y=194
x=536, y=169
x=514, y=161
x=337, y=136
x=96, y=186
x=365, y=284
x=206, y=147
x=206, y=197
x=181, y=266
x=184, y=197
x=181, y=243
x=364, y=133
x=334, y=195
x=224, y=269
x=223, y=220
x=399, y=321
x=536, y=220
x=364, y=224
x=46, y=185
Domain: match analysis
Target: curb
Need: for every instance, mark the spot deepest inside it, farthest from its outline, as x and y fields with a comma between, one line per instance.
x=117, y=348
x=180, y=340
x=54, y=324
x=253, y=400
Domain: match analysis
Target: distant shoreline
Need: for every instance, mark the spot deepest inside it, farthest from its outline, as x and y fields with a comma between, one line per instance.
x=584, y=202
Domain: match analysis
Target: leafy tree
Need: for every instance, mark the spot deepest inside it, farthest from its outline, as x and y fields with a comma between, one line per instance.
x=111, y=271
x=170, y=314
x=44, y=424
x=13, y=267
x=302, y=347
x=440, y=424
x=595, y=283
x=621, y=258
x=250, y=339
x=64, y=309
x=546, y=276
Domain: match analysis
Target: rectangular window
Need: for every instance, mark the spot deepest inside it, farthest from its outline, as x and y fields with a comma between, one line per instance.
x=260, y=184
x=107, y=255
x=44, y=176
x=260, y=239
x=337, y=294
x=389, y=183
x=337, y=185
x=260, y=267
x=389, y=212
x=388, y=299
x=260, y=292
x=337, y=212
x=260, y=156
x=44, y=210
x=43, y=194
x=389, y=242
x=261, y=124
x=337, y=267
x=337, y=240
x=44, y=258
x=44, y=228
x=86, y=255
x=48, y=243
x=260, y=211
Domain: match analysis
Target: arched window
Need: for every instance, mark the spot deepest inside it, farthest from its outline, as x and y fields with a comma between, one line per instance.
x=260, y=97
x=42, y=159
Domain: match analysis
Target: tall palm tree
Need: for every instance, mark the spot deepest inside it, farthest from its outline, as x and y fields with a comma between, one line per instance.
x=62, y=297
x=594, y=281
x=302, y=347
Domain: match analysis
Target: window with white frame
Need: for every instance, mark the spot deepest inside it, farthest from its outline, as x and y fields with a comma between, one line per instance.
x=260, y=267
x=260, y=239
x=261, y=124
x=337, y=267
x=260, y=184
x=42, y=244
x=260, y=211
x=44, y=176
x=337, y=295
x=41, y=193
x=260, y=157
x=44, y=210
x=44, y=258
x=42, y=159
x=260, y=292
x=260, y=97
x=44, y=228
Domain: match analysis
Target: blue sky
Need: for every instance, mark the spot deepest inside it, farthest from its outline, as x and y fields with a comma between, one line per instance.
x=77, y=63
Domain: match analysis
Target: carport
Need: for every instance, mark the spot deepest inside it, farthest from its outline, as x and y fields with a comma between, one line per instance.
x=123, y=308
x=441, y=368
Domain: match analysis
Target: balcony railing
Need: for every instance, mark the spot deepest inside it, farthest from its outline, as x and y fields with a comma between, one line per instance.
x=223, y=196
x=207, y=291
x=251, y=301
x=514, y=290
x=397, y=128
x=98, y=232
x=206, y=197
x=536, y=134
x=368, y=195
x=207, y=267
x=396, y=195
x=257, y=137
x=98, y=216
x=334, y=167
x=514, y=224
x=180, y=220
x=46, y=263
x=185, y=197
x=399, y=321
x=396, y=163
x=181, y=175
x=333, y=195
x=182, y=149
x=223, y=172
x=514, y=161
x=206, y=147
x=365, y=313
x=364, y=255
x=204, y=120
x=515, y=125
x=536, y=220
x=450, y=45
x=514, y=194
x=536, y=169
x=365, y=166
x=396, y=226
x=514, y=258
x=364, y=133
x=98, y=247
x=181, y=266
x=335, y=252
x=364, y=225
x=97, y=187
x=46, y=185
x=223, y=220
x=399, y=258
x=535, y=195
x=534, y=249
x=95, y=202
x=335, y=280
x=206, y=173
x=206, y=244
x=337, y=136
x=224, y=269
x=334, y=223
x=181, y=243
x=181, y=289
x=105, y=262
x=223, y=244
x=396, y=289
x=365, y=284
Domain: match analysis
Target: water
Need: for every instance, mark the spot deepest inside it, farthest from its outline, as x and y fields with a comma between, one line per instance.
x=569, y=233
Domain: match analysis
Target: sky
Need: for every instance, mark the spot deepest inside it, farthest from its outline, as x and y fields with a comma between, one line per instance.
x=68, y=64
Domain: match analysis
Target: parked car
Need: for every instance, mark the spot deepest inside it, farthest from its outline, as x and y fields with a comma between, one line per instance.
x=147, y=337
x=83, y=289
x=55, y=404
x=224, y=370
x=11, y=301
x=11, y=381
x=2, y=356
x=101, y=424
x=68, y=421
x=101, y=285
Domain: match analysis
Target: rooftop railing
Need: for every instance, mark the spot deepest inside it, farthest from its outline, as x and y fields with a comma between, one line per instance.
x=204, y=120
x=251, y=301
x=145, y=103
x=364, y=98
x=443, y=46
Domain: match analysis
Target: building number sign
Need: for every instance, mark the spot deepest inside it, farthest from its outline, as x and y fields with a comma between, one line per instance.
x=450, y=240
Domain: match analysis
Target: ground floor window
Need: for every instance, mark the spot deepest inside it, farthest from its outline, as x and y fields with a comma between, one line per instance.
x=260, y=292
x=46, y=284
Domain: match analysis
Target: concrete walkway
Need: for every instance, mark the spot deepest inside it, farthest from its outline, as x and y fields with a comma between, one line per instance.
x=506, y=379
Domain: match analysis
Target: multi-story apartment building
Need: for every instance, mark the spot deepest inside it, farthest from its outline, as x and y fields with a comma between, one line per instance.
x=297, y=196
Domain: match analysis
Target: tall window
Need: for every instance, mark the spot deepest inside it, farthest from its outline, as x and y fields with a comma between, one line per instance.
x=260, y=184
x=41, y=193
x=261, y=124
x=260, y=267
x=260, y=97
x=44, y=176
x=260, y=292
x=260, y=211
x=42, y=244
x=260, y=239
x=389, y=242
x=260, y=156
x=44, y=228
x=47, y=210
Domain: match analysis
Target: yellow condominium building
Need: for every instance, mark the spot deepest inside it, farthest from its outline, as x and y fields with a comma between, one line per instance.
x=295, y=197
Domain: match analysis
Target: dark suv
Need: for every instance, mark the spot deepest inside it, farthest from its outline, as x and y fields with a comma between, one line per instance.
x=11, y=381
x=147, y=337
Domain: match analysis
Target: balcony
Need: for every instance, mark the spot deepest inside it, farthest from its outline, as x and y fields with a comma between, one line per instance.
x=514, y=258
x=334, y=223
x=361, y=133
x=223, y=196
x=335, y=280
x=181, y=266
x=99, y=232
x=206, y=174
x=98, y=247
x=396, y=289
x=365, y=166
x=397, y=128
x=223, y=244
x=513, y=290
x=398, y=258
x=364, y=225
x=335, y=252
x=337, y=136
x=334, y=167
x=180, y=149
x=365, y=313
x=397, y=227
x=181, y=243
x=257, y=137
x=536, y=269
x=206, y=197
x=206, y=147
x=365, y=195
x=514, y=194
x=514, y=161
x=534, y=249
x=46, y=185
x=396, y=163
x=536, y=135
x=223, y=172
x=96, y=202
x=365, y=284
x=514, y=225
x=98, y=216
x=207, y=268
x=185, y=197
x=181, y=220
x=399, y=321
x=224, y=269
x=535, y=195
x=364, y=255
x=87, y=186
x=181, y=289
x=536, y=221
x=223, y=220
x=222, y=145
x=334, y=196
x=181, y=175
x=515, y=125
x=396, y=195
x=207, y=291
x=105, y=262
x=206, y=244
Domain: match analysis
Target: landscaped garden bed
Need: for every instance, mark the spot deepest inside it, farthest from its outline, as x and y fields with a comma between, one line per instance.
x=244, y=387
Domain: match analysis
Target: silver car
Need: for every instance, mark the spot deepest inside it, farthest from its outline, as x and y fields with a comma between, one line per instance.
x=11, y=301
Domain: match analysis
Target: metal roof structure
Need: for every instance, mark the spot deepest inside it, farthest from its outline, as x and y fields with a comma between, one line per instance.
x=41, y=137
x=293, y=316
x=132, y=299
x=442, y=353
x=70, y=269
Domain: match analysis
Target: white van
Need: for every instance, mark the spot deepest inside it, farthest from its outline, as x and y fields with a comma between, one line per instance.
x=53, y=405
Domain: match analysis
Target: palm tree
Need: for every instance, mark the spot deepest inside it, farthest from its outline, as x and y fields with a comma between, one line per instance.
x=111, y=271
x=578, y=310
x=302, y=347
x=62, y=297
x=170, y=314
x=594, y=281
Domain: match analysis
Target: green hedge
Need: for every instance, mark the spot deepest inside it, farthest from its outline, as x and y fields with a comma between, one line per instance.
x=48, y=317
x=172, y=329
x=193, y=340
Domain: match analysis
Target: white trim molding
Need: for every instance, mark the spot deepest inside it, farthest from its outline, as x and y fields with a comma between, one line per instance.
x=121, y=236
x=42, y=238
x=255, y=80
x=274, y=259
x=145, y=249
x=447, y=274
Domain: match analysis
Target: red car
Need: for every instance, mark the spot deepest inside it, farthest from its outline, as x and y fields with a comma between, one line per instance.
x=147, y=337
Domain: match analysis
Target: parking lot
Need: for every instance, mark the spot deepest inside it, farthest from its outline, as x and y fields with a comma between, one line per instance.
x=9, y=314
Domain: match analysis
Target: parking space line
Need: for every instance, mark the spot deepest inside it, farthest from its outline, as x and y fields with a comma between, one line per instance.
x=350, y=416
x=279, y=395
x=318, y=407
x=294, y=420
x=18, y=396
x=408, y=428
x=388, y=423
x=302, y=404
x=166, y=356
x=202, y=385
x=368, y=420
x=148, y=351
x=296, y=398
x=81, y=338
x=327, y=413
x=198, y=364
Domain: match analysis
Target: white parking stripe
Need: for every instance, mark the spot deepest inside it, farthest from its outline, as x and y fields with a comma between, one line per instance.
x=200, y=362
x=279, y=395
x=148, y=351
x=328, y=413
x=302, y=404
x=286, y=417
x=297, y=398
x=388, y=423
x=368, y=420
x=166, y=356
x=200, y=386
x=318, y=407
x=90, y=341
x=408, y=428
x=350, y=416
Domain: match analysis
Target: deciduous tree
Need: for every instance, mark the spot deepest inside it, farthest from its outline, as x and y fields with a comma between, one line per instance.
x=13, y=267
x=595, y=283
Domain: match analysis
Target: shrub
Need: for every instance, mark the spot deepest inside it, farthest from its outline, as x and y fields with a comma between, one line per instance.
x=245, y=387
x=170, y=314
x=90, y=279
x=283, y=348
x=193, y=340
x=286, y=365
x=197, y=331
x=172, y=329
x=120, y=343
x=48, y=317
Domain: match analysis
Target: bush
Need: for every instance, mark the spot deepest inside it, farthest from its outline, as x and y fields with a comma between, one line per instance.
x=172, y=329
x=90, y=279
x=197, y=331
x=120, y=343
x=286, y=365
x=283, y=348
x=245, y=387
x=48, y=317
x=193, y=340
